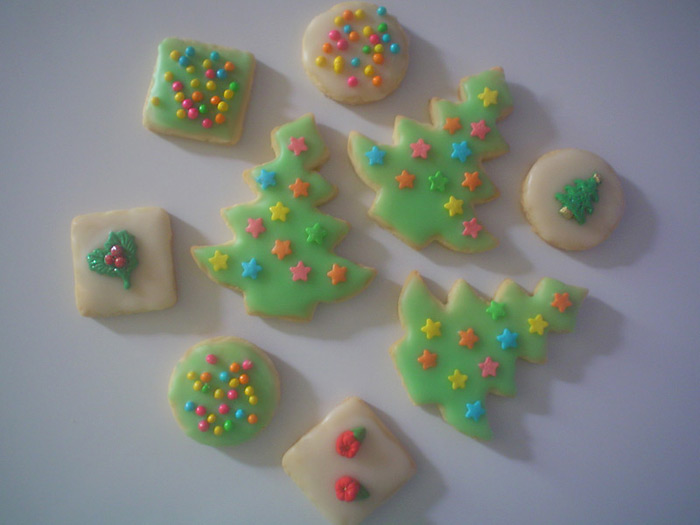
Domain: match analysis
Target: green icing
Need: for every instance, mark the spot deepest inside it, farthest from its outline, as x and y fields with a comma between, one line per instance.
x=418, y=215
x=578, y=199
x=119, y=245
x=263, y=379
x=466, y=309
x=273, y=292
x=164, y=117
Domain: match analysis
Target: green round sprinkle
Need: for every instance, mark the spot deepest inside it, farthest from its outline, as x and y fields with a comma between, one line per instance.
x=228, y=424
x=381, y=27
x=233, y=86
x=203, y=108
x=366, y=50
x=205, y=388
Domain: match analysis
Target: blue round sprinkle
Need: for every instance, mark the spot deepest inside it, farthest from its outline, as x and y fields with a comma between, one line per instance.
x=184, y=61
x=395, y=48
x=221, y=73
x=189, y=51
x=189, y=406
x=240, y=414
x=214, y=55
x=347, y=28
x=386, y=38
x=355, y=62
x=381, y=10
x=223, y=376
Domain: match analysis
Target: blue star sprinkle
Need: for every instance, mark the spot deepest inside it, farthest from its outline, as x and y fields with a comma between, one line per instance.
x=251, y=268
x=508, y=339
x=375, y=156
x=266, y=179
x=474, y=411
x=460, y=151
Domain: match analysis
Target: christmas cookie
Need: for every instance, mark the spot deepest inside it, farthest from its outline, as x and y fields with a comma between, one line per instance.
x=429, y=180
x=355, y=52
x=572, y=199
x=282, y=258
x=349, y=463
x=122, y=262
x=454, y=354
x=224, y=391
x=199, y=91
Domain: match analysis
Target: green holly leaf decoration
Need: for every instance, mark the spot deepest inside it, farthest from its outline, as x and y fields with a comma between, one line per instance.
x=117, y=258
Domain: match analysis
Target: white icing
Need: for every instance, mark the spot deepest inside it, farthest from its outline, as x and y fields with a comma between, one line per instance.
x=152, y=281
x=548, y=176
x=381, y=465
x=334, y=84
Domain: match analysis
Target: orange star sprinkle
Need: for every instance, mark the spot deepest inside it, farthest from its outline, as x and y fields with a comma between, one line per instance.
x=452, y=125
x=300, y=188
x=561, y=301
x=471, y=180
x=468, y=338
x=428, y=359
x=405, y=180
x=337, y=274
x=281, y=249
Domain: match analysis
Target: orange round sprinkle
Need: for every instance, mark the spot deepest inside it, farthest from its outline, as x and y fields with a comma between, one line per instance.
x=327, y=48
x=229, y=66
x=347, y=15
x=205, y=377
x=252, y=419
x=378, y=58
x=354, y=36
x=197, y=96
x=235, y=367
x=377, y=81
x=215, y=100
x=244, y=379
x=220, y=118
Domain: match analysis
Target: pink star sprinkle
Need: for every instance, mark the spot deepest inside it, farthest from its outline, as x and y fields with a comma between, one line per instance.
x=480, y=129
x=472, y=228
x=300, y=272
x=297, y=145
x=488, y=367
x=420, y=149
x=255, y=227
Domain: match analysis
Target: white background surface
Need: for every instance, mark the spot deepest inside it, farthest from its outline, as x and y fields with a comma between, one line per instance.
x=605, y=432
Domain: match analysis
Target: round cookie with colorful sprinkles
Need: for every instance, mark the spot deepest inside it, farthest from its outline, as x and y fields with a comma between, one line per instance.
x=355, y=52
x=224, y=391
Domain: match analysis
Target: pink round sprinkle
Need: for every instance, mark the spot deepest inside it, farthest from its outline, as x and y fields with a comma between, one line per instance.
x=200, y=410
x=342, y=44
x=374, y=39
x=210, y=73
x=207, y=123
x=247, y=364
x=211, y=359
x=232, y=394
x=223, y=408
x=352, y=81
x=187, y=103
x=203, y=425
x=177, y=86
x=193, y=113
x=334, y=34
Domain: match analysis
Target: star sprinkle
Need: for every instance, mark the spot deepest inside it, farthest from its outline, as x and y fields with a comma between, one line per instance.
x=460, y=151
x=337, y=274
x=279, y=212
x=537, y=324
x=300, y=272
x=458, y=379
x=468, y=338
x=375, y=156
x=431, y=328
x=496, y=310
x=508, y=339
x=488, y=367
x=420, y=149
x=561, y=301
x=471, y=180
x=489, y=97
x=255, y=227
x=405, y=180
x=428, y=359
x=471, y=227
x=474, y=411
x=454, y=206
x=452, y=125
x=281, y=249
x=297, y=145
x=437, y=181
x=219, y=261
x=251, y=269
x=300, y=188
x=266, y=179
x=316, y=233
x=480, y=129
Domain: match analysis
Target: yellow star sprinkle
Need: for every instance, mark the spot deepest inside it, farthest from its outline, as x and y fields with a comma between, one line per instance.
x=537, y=324
x=219, y=261
x=279, y=212
x=431, y=328
x=454, y=206
x=458, y=379
x=489, y=97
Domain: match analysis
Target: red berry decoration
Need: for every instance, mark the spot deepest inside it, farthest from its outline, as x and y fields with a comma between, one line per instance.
x=120, y=262
x=109, y=260
x=349, y=489
x=348, y=443
x=116, y=250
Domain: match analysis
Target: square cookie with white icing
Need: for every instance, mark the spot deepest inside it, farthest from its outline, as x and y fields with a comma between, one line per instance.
x=123, y=262
x=349, y=463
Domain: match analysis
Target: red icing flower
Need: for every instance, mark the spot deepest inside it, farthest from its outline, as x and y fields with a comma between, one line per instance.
x=348, y=442
x=348, y=488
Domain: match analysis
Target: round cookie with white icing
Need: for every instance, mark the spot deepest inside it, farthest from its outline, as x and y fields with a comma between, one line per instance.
x=355, y=52
x=224, y=391
x=572, y=199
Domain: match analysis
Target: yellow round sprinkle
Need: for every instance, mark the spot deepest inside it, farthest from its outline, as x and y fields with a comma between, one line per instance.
x=181, y=113
x=338, y=64
x=168, y=76
x=197, y=384
x=211, y=418
x=234, y=382
x=175, y=54
x=211, y=85
x=369, y=71
x=207, y=63
x=218, y=393
x=194, y=82
x=191, y=375
x=379, y=48
x=228, y=93
x=249, y=391
x=253, y=400
x=367, y=30
x=320, y=61
x=190, y=69
x=155, y=101
x=360, y=14
x=218, y=430
x=338, y=20
x=223, y=106
x=179, y=96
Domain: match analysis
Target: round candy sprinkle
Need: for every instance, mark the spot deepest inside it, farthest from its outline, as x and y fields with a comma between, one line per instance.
x=347, y=15
x=191, y=375
x=218, y=393
x=369, y=71
x=224, y=377
x=197, y=385
x=360, y=14
x=249, y=391
x=382, y=27
x=374, y=39
x=327, y=48
x=234, y=382
x=211, y=359
x=234, y=367
x=247, y=364
x=378, y=58
x=184, y=61
x=232, y=394
x=197, y=96
x=253, y=400
x=190, y=69
x=367, y=30
x=203, y=425
x=244, y=379
x=177, y=86
x=194, y=82
x=223, y=408
x=175, y=54
x=240, y=414
x=252, y=419
x=381, y=10
x=352, y=81
x=355, y=62
x=386, y=38
x=203, y=109
x=229, y=66
x=233, y=86
x=205, y=376
x=334, y=34
x=206, y=63
x=168, y=76
x=222, y=106
x=189, y=51
x=211, y=418
x=190, y=406
x=211, y=85
x=214, y=55
x=221, y=73
x=379, y=48
x=215, y=100
x=218, y=430
x=320, y=61
x=354, y=36
x=207, y=123
x=210, y=73
x=181, y=113
x=366, y=49
x=200, y=410
x=228, y=425
x=395, y=48
x=342, y=44
x=377, y=81
x=179, y=96
x=228, y=93
x=347, y=28
x=187, y=103
x=338, y=20
x=206, y=388
x=192, y=113
x=219, y=119
x=338, y=64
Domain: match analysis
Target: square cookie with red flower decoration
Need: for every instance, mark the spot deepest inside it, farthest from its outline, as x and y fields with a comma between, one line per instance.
x=348, y=464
